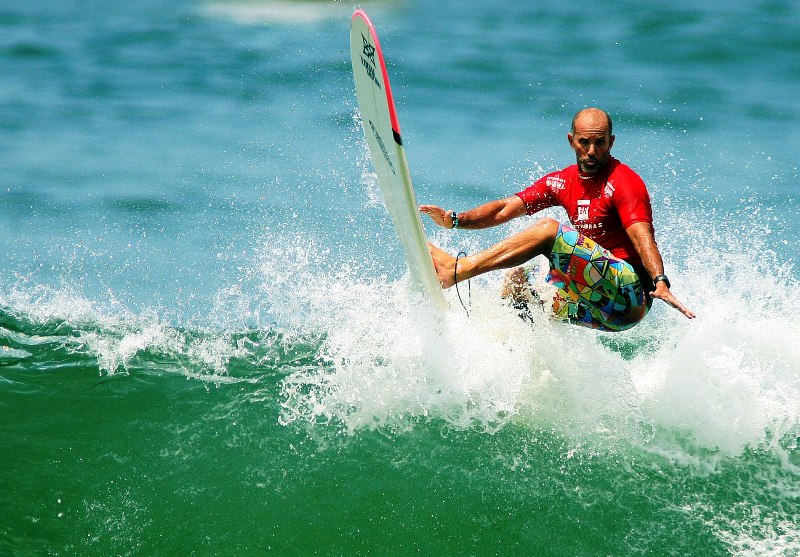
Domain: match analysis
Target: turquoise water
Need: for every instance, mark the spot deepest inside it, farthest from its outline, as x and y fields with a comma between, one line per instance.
x=207, y=341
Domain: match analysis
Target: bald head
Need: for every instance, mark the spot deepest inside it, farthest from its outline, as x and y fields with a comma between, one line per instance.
x=594, y=118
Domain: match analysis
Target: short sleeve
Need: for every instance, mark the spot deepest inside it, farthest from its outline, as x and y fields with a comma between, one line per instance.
x=538, y=196
x=632, y=200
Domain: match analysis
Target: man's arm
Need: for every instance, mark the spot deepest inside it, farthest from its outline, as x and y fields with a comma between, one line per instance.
x=641, y=234
x=483, y=216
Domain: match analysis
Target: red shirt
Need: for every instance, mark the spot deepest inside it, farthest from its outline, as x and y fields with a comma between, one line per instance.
x=600, y=207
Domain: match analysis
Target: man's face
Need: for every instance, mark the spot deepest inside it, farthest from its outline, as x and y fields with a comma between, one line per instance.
x=591, y=143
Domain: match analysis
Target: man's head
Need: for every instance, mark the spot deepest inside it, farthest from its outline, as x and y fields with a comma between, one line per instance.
x=591, y=139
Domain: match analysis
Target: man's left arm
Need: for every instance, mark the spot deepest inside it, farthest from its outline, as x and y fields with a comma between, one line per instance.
x=641, y=234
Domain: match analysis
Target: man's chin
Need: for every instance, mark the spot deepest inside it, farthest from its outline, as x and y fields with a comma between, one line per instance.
x=590, y=167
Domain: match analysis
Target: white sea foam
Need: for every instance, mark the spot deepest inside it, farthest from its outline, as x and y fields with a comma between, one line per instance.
x=116, y=336
x=734, y=373
x=725, y=381
x=755, y=530
x=388, y=360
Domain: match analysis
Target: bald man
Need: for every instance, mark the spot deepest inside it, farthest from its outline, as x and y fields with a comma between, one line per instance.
x=605, y=267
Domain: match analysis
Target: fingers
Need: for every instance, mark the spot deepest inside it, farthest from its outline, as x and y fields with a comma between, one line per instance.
x=686, y=311
x=681, y=308
x=431, y=210
x=670, y=299
x=437, y=214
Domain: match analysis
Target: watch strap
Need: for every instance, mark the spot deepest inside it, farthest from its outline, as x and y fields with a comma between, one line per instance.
x=660, y=278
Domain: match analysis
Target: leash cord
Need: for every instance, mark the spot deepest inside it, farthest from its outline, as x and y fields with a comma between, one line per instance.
x=455, y=280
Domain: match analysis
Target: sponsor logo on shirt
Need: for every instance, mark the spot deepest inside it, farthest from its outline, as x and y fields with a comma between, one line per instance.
x=608, y=191
x=583, y=209
x=554, y=183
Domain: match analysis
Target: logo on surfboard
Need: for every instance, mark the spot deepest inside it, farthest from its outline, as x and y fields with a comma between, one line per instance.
x=368, y=60
x=369, y=50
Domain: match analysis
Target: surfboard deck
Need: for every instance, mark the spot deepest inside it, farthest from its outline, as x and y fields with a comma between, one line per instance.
x=381, y=127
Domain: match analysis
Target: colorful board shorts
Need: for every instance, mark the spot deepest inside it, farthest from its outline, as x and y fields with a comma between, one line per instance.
x=593, y=288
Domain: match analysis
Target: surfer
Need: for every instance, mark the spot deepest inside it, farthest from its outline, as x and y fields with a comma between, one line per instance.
x=605, y=266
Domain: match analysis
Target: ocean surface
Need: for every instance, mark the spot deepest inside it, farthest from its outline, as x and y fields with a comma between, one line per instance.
x=209, y=344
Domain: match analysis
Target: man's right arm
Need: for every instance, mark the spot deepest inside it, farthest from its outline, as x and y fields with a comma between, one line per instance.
x=484, y=216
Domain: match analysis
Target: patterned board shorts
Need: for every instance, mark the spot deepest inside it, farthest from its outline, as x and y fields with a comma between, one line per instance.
x=593, y=288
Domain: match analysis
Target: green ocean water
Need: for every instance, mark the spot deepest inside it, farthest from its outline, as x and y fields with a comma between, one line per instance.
x=171, y=458
x=208, y=344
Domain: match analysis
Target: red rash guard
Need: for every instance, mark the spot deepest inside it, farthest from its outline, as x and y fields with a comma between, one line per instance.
x=600, y=207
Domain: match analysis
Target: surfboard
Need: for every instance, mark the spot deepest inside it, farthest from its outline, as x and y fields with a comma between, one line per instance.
x=379, y=118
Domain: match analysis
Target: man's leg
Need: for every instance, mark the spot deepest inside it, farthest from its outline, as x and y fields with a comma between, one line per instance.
x=514, y=250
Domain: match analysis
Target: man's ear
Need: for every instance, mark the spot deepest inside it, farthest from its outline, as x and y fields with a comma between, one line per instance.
x=611, y=143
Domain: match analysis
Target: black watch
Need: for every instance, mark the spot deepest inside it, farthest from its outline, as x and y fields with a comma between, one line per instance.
x=660, y=278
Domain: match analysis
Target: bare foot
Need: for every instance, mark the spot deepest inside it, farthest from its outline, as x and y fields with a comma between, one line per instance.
x=445, y=265
x=516, y=285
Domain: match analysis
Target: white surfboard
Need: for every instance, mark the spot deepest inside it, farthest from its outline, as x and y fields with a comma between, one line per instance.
x=386, y=148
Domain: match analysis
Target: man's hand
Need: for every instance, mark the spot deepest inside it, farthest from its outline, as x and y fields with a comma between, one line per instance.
x=438, y=215
x=662, y=293
x=641, y=234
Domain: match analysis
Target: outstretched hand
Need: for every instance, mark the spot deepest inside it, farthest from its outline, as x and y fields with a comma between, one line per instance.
x=662, y=293
x=438, y=215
